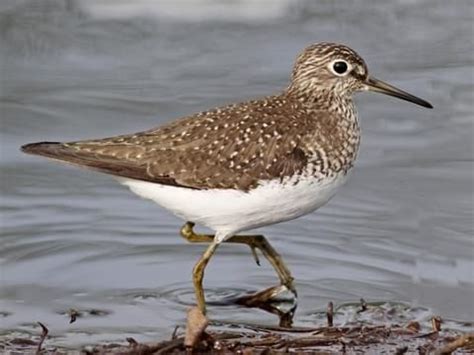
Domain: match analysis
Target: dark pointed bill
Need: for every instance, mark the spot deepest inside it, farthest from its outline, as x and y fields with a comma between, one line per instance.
x=377, y=85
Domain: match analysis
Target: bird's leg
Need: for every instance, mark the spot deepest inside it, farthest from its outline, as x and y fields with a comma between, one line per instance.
x=253, y=241
x=275, y=259
x=198, y=275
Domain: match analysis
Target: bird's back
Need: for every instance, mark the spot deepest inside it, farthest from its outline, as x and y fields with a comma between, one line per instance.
x=235, y=146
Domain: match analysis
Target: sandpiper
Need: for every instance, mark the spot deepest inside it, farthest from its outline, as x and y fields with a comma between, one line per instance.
x=245, y=165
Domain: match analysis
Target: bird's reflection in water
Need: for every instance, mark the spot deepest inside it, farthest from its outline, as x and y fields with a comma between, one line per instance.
x=277, y=300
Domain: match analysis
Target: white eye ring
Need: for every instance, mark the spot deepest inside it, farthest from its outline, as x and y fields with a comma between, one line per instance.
x=341, y=65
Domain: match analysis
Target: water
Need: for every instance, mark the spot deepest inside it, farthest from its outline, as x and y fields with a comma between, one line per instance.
x=401, y=230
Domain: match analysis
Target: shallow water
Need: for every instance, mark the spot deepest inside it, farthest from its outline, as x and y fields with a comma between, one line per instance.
x=401, y=230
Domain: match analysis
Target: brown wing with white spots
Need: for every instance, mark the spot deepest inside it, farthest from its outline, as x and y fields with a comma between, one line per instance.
x=230, y=147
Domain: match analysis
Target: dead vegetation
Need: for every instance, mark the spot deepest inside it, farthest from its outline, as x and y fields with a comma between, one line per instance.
x=361, y=339
x=202, y=336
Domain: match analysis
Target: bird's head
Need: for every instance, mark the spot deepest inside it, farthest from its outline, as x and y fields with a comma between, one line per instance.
x=326, y=70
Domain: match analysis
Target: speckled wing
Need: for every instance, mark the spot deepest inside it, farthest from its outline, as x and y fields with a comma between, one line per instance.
x=231, y=147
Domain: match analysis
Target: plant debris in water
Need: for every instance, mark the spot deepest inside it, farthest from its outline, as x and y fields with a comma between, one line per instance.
x=323, y=340
x=354, y=337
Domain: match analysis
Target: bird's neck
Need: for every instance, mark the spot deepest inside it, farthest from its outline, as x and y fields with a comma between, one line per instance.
x=341, y=106
x=338, y=133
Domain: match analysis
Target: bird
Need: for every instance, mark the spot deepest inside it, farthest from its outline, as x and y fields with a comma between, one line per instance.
x=245, y=165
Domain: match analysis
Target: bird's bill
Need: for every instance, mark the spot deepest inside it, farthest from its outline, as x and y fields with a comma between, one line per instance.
x=382, y=87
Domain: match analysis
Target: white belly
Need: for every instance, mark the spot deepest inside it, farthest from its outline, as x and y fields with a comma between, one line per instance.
x=229, y=211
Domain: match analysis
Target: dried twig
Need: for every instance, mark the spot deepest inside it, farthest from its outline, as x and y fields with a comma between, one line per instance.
x=170, y=346
x=363, y=306
x=267, y=328
x=131, y=341
x=174, y=335
x=460, y=342
x=436, y=323
x=73, y=314
x=413, y=326
x=330, y=314
x=44, y=334
x=308, y=342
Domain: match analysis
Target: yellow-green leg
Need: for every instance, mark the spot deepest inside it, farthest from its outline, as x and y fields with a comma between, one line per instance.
x=253, y=241
x=198, y=275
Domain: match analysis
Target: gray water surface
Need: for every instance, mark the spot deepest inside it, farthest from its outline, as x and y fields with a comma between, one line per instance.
x=401, y=230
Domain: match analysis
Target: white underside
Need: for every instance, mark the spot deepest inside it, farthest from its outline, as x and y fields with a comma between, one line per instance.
x=228, y=211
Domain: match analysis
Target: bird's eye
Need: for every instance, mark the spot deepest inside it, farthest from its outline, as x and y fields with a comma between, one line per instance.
x=340, y=67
